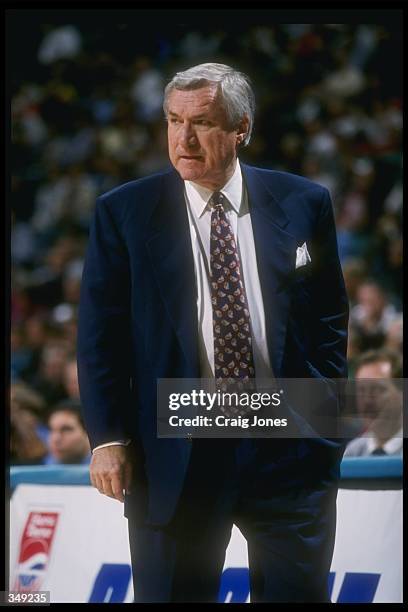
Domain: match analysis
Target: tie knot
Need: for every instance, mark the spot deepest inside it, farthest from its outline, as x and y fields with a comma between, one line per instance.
x=217, y=200
x=378, y=451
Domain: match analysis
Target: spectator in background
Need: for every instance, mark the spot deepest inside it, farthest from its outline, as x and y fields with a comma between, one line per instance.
x=394, y=339
x=59, y=43
x=66, y=199
x=35, y=332
x=44, y=285
x=71, y=281
x=29, y=434
x=372, y=316
x=21, y=304
x=20, y=353
x=64, y=319
x=354, y=237
x=147, y=90
x=388, y=258
x=347, y=80
x=49, y=380
x=23, y=242
x=355, y=273
x=379, y=405
x=68, y=440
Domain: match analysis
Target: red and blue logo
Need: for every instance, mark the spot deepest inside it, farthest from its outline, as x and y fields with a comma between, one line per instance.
x=35, y=549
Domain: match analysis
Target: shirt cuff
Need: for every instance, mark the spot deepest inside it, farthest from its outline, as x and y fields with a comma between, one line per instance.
x=115, y=443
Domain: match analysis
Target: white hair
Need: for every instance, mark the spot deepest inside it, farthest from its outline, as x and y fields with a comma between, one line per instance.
x=234, y=88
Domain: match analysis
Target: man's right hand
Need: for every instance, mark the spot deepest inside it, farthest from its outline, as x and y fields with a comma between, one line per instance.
x=111, y=471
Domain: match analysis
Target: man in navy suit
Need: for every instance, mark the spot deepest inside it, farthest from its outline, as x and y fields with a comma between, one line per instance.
x=153, y=286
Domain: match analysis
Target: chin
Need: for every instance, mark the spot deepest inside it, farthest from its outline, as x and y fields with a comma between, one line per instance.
x=192, y=176
x=189, y=171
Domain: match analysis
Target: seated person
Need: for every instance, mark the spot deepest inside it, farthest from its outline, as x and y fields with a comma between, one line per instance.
x=379, y=405
x=28, y=431
x=68, y=441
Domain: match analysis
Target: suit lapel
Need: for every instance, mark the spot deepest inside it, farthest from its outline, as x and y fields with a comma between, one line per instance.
x=169, y=246
x=276, y=259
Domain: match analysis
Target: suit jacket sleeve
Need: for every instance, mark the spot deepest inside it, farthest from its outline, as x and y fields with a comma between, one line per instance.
x=331, y=302
x=104, y=331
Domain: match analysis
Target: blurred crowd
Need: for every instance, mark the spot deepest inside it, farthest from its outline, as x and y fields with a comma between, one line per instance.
x=87, y=116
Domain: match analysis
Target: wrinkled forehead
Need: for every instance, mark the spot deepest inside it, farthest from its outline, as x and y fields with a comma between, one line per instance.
x=200, y=100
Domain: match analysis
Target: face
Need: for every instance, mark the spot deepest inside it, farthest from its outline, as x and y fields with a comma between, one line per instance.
x=202, y=144
x=53, y=362
x=371, y=299
x=373, y=381
x=68, y=441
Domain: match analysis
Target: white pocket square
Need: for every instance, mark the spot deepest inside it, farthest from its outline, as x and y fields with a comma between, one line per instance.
x=302, y=256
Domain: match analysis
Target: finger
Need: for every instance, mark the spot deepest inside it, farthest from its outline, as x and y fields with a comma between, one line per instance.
x=117, y=484
x=97, y=479
x=106, y=487
x=128, y=476
x=99, y=484
x=113, y=484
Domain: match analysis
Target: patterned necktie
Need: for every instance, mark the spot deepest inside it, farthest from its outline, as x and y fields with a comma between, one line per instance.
x=233, y=357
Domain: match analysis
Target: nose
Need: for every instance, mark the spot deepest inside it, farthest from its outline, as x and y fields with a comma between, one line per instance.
x=188, y=137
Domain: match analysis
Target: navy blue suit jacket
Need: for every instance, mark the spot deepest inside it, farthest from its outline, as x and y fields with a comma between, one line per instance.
x=138, y=315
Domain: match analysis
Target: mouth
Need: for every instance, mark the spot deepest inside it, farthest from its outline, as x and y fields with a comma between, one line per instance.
x=191, y=157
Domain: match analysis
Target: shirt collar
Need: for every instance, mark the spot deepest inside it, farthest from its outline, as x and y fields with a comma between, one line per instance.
x=392, y=445
x=199, y=196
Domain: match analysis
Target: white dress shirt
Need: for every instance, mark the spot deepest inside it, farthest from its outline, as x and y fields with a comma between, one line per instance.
x=237, y=212
x=364, y=445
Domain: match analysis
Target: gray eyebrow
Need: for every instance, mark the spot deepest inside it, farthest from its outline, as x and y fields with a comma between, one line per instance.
x=196, y=117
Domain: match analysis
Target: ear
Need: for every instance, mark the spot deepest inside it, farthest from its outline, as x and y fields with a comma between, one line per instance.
x=242, y=130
